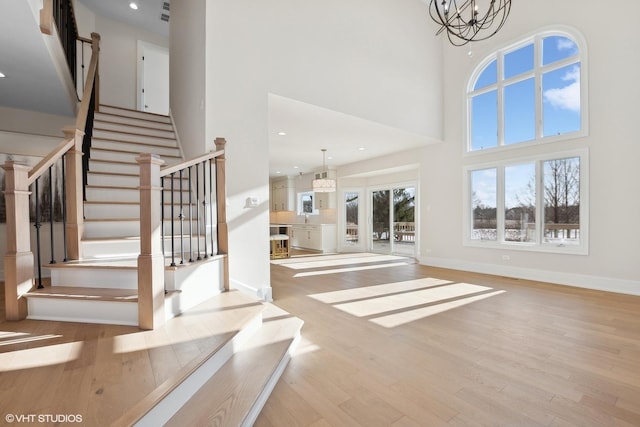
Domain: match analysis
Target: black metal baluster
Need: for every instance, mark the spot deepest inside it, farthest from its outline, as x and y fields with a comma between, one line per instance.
x=198, y=209
x=37, y=226
x=181, y=217
x=173, y=259
x=51, y=195
x=204, y=206
x=64, y=209
x=211, y=199
x=190, y=221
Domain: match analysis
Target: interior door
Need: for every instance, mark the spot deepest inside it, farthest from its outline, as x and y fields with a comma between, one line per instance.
x=153, y=78
x=393, y=221
x=380, y=221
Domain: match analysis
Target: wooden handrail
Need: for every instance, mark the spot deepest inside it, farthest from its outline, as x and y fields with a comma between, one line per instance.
x=51, y=158
x=196, y=160
x=88, y=85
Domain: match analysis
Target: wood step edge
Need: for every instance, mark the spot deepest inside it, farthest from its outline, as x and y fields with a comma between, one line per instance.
x=143, y=406
x=132, y=110
x=133, y=153
x=135, y=134
x=232, y=383
x=120, y=187
x=136, y=125
x=97, y=263
x=77, y=293
x=122, y=141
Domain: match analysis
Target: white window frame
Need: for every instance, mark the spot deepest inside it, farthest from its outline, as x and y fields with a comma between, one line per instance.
x=538, y=71
x=581, y=248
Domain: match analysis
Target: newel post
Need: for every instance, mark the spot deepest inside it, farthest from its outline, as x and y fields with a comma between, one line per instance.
x=221, y=204
x=18, y=261
x=74, y=193
x=150, y=261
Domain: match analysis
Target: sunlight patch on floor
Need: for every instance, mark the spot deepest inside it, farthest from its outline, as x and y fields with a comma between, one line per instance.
x=37, y=357
x=397, y=319
x=328, y=261
x=377, y=290
x=21, y=338
x=394, y=304
x=348, y=269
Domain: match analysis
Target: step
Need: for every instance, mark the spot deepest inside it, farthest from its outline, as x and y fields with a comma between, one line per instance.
x=136, y=114
x=123, y=210
x=133, y=121
x=110, y=193
x=127, y=175
x=118, y=272
x=231, y=319
x=100, y=248
x=117, y=155
x=139, y=129
x=109, y=166
x=133, y=137
x=236, y=392
x=83, y=304
x=125, y=227
x=136, y=147
x=235, y=395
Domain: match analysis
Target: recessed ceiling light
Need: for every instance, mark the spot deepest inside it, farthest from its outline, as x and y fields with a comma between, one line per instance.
x=2, y=75
x=282, y=133
x=361, y=149
x=296, y=167
x=330, y=158
x=277, y=171
x=133, y=5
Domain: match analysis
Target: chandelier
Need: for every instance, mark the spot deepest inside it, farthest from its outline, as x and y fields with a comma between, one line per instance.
x=469, y=20
x=322, y=184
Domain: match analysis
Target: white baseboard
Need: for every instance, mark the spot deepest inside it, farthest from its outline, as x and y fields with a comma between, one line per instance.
x=608, y=284
x=263, y=293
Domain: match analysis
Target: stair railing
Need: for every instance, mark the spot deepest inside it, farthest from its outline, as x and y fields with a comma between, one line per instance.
x=21, y=181
x=202, y=174
x=60, y=13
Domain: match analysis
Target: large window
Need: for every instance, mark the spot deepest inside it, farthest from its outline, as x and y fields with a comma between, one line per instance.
x=528, y=92
x=535, y=203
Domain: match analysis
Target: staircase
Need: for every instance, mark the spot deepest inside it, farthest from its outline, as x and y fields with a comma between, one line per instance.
x=229, y=382
x=102, y=287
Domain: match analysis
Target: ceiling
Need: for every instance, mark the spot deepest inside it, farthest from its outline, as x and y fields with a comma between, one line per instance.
x=31, y=82
x=147, y=16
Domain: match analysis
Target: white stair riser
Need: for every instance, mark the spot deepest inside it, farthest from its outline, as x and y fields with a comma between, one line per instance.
x=113, y=167
x=128, y=128
x=125, y=137
x=105, y=229
x=131, y=194
x=135, y=147
x=134, y=114
x=127, y=156
x=88, y=277
x=86, y=311
x=119, y=210
x=133, y=121
x=131, y=247
x=113, y=180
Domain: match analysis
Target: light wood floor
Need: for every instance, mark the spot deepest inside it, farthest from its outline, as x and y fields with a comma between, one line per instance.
x=462, y=350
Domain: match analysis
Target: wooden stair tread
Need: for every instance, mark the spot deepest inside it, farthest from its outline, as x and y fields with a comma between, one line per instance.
x=163, y=116
x=169, y=138
x=230, y=395
x=99, y=263
x=125, y=141
x=133, y=153
x=228, y=312
x=85, y=293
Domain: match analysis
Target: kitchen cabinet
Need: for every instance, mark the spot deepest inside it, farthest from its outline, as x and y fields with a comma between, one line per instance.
x=282, y=195
x=324, y=200
x=317, y=237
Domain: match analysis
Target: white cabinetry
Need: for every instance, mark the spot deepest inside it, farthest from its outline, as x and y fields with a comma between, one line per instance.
x=315, y=237
x=324, y=200
x=282, y=195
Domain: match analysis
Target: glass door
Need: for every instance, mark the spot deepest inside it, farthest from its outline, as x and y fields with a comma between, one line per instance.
x=393, y=221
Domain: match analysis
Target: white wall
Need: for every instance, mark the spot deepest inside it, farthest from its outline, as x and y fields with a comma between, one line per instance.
x=374, y=59
x=118, y=49
x=612, y=143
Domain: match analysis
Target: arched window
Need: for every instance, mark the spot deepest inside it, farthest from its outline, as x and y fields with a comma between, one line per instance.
x=529, y=92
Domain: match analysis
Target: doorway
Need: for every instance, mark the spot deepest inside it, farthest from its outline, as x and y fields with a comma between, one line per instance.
x=393, y=220
x=153, y=78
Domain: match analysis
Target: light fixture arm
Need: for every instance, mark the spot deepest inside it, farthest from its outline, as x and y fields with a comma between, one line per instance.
x=464, y=23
